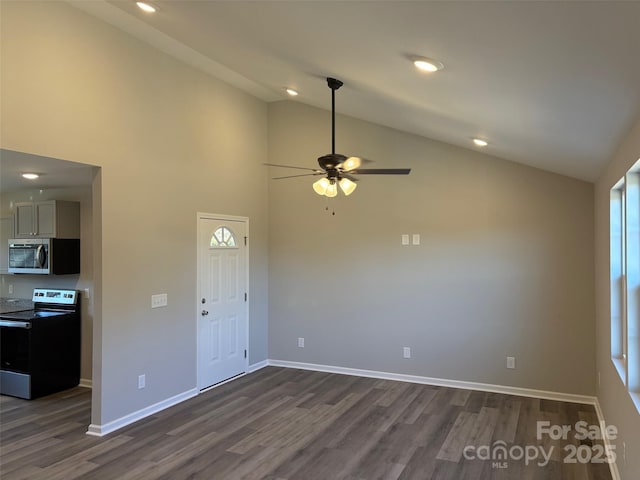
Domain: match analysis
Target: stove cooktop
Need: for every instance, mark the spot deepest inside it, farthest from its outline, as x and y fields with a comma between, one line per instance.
x=31, y=315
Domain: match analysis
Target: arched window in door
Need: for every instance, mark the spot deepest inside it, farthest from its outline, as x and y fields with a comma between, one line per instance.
x=223, y=237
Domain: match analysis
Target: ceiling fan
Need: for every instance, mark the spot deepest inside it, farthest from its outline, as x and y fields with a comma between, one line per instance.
x=335, y=168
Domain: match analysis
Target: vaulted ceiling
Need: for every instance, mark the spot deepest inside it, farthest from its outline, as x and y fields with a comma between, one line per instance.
x=553, y=84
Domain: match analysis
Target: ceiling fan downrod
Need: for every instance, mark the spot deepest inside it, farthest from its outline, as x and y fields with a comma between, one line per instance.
x=334, y=84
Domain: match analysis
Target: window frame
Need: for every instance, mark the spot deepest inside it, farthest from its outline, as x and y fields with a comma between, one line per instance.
x=223, y=244
x=624, y=271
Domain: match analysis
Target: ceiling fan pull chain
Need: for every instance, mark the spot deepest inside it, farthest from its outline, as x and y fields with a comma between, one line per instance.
x=333, y=210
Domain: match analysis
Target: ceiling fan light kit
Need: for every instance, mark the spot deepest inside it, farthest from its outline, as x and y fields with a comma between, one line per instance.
x=335, y=168
x=320, y=186
x=347, y=186
x=328, y=187
x=332, y=189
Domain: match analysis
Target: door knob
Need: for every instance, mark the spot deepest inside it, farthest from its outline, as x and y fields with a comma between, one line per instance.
x=204, y=312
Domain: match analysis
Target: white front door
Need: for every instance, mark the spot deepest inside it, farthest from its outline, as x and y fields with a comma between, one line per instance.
x=222, y=299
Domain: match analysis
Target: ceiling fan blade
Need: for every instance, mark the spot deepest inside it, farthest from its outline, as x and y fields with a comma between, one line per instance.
x=302, y=175
x=381, y=171
x=352, y=163
x=346, y=175
x=291, y=166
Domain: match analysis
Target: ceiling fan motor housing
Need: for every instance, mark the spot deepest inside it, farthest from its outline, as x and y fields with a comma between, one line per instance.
x=331, y=161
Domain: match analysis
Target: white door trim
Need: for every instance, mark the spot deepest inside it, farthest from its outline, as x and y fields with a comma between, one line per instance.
x=217, y=216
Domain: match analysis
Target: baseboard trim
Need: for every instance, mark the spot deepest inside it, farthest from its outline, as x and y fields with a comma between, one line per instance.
x=441, y=382
x=257, y=366
x=101, y=430
x=613, y=466
x=86, y=383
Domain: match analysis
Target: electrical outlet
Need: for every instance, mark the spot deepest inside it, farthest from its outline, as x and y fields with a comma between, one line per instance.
x=10, y=289
x=405, y=239
x=406, y=352
x=159, y=300
x=142, y=380
x=511, y=362
x=416, y=239
x=301, y=342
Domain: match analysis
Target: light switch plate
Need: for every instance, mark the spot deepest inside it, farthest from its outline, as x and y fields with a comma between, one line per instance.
x=405, y=239
x=416, y=239
x=159, y=300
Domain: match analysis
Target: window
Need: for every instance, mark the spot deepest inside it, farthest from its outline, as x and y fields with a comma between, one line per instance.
x=624, y=250
x=223, y=238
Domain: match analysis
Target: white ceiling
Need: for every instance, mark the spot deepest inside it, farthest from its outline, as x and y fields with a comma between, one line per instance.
x=552, y=84
x=53, y=173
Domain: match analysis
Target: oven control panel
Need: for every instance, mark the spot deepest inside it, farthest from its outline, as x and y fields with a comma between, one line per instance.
x=60, y=297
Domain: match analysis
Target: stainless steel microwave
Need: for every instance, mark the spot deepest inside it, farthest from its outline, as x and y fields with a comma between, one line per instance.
x=44, y=256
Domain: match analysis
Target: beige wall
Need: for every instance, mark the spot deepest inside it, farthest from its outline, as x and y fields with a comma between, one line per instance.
x=616, y=404
x=170, y=141
x=505, y=265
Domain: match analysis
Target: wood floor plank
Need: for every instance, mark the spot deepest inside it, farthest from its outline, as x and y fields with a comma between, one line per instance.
x=507, y=421
x=460, y=397
x=483, y=429
x=385, y=458
x=458, y=437
x=287, y=424
x=418, y=405
x=15, y=460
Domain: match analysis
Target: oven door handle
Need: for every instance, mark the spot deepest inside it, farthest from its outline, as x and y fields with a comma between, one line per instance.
x=41, y=256
x=13, y=324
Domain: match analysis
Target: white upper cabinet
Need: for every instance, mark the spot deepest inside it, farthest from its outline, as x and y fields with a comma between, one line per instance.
x=50, y=219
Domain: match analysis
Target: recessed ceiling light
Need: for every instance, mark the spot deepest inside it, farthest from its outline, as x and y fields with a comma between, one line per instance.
x=427, y=64
x=479, y=142
x=30, y=176
x=291, y=92
x=146, y=7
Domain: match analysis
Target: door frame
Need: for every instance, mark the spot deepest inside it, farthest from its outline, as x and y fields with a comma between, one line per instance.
x=223, y=217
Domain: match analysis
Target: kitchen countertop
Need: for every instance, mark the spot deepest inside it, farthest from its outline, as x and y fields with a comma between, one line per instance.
x=8, y=305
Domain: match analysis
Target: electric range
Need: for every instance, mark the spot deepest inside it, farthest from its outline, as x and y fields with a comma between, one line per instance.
x=40, y=348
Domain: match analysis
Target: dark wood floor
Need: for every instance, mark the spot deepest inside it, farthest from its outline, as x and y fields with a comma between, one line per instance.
x=281, y=423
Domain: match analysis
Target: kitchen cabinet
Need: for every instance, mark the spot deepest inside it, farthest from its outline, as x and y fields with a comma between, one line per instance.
x=49, y=219
x=6, y=233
